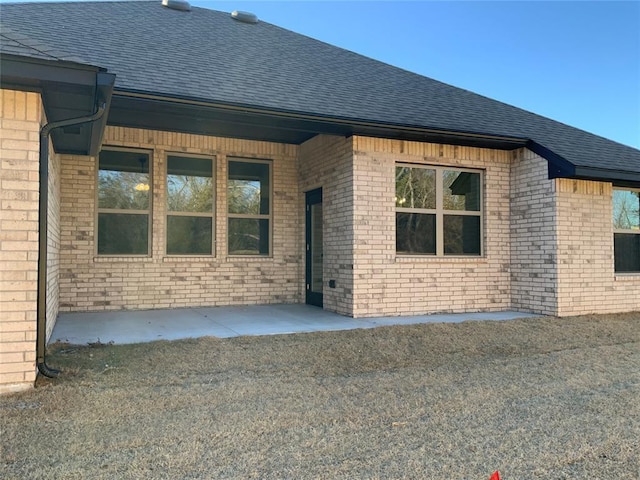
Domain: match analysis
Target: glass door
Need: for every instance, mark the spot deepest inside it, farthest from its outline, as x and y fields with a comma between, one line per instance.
x=313, y=281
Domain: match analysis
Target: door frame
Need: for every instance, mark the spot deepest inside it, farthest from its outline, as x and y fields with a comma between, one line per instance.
x=312, y=197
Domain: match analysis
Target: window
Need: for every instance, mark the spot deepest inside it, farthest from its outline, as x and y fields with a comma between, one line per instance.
x=626, y=230
x=123, y=202
x=189, y=206
x=438, y=211
x=249, y=207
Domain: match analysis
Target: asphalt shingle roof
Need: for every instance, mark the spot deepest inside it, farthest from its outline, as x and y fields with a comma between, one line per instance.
x=17, y=43
x=206, y=55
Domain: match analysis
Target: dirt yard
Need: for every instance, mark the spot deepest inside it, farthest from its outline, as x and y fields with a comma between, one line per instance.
x=536, y=399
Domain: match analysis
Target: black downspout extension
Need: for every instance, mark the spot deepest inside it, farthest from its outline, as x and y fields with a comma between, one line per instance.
x=41, y=328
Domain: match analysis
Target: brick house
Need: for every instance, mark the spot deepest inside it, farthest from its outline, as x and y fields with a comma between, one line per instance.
x=224, y=161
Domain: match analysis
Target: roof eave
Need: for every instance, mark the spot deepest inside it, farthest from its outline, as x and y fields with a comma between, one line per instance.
x=619, y=178
x=560, y=167
x=134, y=108
x=68, y=90
x=18, y=70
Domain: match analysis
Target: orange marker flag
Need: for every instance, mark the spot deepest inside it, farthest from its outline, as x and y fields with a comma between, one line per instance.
x=495, y=476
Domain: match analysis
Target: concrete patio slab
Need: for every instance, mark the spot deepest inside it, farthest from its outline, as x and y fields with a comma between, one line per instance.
x=223, y=322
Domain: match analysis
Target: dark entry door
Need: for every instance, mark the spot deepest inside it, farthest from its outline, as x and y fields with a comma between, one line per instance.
x=314, y=280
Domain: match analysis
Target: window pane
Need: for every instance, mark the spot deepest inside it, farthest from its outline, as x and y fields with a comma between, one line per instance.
x=123, y=234
x=461, y=235
x=626, y=206
x=123, y=190
x=189, y=184
x=415, y=233
x=626, y=248
x=248, y=188
x=248, y=236
x=123, y=180
x=316, y=248
x=190, y=166
x=189, y=235
x=124, y=161
x=415, y=187
x=461, y=191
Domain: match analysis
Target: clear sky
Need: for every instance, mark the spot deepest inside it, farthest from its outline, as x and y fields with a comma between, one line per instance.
x=577, y=62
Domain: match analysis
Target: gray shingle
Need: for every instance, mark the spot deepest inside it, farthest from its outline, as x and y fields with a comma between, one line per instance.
x=12, y=43
x=206, y=55
x=17, y=43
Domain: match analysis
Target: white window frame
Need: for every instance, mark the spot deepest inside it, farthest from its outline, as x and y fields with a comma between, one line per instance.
x=440, y=211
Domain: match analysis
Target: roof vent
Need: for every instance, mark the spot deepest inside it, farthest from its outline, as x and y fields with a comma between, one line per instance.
x=244, y=17
x=181, y=5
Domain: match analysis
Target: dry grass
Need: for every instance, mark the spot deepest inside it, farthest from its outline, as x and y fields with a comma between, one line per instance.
x=534, y=398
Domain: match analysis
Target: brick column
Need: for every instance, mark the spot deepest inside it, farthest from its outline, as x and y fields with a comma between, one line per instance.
x=20, y=115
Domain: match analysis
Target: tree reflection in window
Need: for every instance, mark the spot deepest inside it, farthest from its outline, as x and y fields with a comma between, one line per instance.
x=123, y=205
x=626, y=228
x=249, y=207
x=189, y=205
x=438, y=211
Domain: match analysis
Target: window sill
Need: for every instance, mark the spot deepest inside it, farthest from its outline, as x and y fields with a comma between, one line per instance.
x=434, y=259
x=254, y=258
x=122, y=259
x=189, y=259
x=627, y=277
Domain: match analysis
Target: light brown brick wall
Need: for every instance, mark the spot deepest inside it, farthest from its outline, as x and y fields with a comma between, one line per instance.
x=326, y=161
x=53, y=241
x=587, y=282
x=525, y=219
x=89, y=282
x=20, y=115
x=533, y=235
x=390, y=284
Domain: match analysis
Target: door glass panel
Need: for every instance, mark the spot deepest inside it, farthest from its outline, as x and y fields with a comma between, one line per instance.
x=316, y=248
